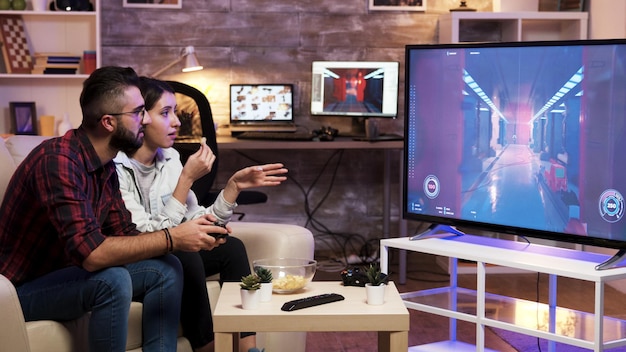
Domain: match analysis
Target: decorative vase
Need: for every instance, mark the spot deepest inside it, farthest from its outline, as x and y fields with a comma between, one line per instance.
x=375, y=294
x=65, y=125
x=40, y=5
x=250, y=299
x=265, y=291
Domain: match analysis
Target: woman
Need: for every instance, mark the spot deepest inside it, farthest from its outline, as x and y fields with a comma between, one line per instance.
x=157, y=190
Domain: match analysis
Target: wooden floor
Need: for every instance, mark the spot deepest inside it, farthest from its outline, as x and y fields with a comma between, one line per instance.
x=423, y=273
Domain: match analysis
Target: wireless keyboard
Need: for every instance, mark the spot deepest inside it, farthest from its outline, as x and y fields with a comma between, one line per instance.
x=279, y=136
x=312, y=301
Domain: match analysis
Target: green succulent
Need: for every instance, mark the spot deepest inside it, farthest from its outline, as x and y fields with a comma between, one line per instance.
x=374, y=276
x=264, y=274
x=250, y=282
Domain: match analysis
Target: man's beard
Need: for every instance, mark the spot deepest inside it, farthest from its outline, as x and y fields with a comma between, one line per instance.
x=124, y=140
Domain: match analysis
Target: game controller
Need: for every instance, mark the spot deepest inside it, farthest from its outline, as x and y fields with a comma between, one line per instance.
x=326, y=133
x=355, y=277
x=218, y=235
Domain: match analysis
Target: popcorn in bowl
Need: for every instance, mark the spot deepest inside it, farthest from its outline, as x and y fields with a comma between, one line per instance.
x=289, y=274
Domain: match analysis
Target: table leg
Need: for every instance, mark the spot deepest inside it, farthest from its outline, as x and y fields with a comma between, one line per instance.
x=226, y=342
x=393, y=341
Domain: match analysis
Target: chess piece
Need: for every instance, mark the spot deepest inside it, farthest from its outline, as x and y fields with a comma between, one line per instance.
x=5, y=4
x=463, y=7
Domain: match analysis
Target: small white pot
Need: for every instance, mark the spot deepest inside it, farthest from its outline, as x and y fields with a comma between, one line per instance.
x=40, y=5
x=375, y=294
x=266, y=291
x=250, y=299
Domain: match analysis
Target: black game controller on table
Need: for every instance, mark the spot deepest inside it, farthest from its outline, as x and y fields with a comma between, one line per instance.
x=355, y=276
x=218, y=235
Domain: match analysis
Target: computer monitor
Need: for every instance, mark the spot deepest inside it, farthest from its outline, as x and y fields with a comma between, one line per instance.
x=355, y=88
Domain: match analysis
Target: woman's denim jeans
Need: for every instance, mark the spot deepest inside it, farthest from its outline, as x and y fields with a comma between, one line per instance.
x=69, y=293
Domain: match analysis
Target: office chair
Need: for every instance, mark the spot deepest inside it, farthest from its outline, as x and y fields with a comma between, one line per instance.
x=194, y=112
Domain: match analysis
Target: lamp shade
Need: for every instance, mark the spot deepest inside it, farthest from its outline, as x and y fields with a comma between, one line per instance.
x=191, y=62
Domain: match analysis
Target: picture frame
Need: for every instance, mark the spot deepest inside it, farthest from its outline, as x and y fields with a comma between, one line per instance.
x=154, y=4
x=23, y=118
x=397, y=5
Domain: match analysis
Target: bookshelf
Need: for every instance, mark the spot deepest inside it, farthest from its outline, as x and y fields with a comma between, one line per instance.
x=463, y=26
x=52, y=32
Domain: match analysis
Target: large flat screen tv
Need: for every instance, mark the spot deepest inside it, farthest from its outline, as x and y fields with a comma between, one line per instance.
x=525, y=138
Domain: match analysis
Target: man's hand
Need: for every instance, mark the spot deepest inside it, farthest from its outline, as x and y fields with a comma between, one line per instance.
x=192, y=236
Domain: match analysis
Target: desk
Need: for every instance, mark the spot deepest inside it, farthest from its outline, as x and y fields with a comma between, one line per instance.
x=391, y=319
x=230, y=143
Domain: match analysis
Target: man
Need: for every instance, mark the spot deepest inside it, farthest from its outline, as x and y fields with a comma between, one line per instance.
x=67, y=241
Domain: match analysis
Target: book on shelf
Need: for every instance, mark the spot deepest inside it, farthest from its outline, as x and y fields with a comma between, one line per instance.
x=57, y=58
x=55, y=70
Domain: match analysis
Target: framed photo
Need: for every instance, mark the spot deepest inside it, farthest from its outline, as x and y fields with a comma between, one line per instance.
x=154, y=4
x=23, y=117
x=397, y=5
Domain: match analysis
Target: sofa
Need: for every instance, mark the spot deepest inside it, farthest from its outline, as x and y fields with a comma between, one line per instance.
x=262, y=240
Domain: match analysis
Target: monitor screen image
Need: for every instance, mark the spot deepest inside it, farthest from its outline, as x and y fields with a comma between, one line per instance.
x=355, y=88
x=526, y=138
x=261, y=102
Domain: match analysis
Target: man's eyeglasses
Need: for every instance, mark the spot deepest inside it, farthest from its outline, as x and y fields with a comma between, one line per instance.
x=137, y=113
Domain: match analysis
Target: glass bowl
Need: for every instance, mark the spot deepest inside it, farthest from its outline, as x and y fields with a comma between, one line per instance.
x=288, y=274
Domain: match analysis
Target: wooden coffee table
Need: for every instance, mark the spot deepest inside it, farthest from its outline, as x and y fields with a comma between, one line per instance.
x=390, y=320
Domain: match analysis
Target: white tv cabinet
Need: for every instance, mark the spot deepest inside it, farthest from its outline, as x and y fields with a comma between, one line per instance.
x=547, y=321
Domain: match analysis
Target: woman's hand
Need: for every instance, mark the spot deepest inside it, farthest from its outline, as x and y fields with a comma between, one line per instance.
x=199, y=163
x=254, y=176
x=259, y=176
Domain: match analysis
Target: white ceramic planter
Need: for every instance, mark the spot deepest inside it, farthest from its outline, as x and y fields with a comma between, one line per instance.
x=250, y=299
x=375, y=294
x=265, y=292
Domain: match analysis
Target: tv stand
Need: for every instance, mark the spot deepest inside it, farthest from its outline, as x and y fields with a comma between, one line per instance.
x=548, y=321
x=612, y=262
x=437, y=229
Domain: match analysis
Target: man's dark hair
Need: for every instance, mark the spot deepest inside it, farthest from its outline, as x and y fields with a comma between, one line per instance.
x=152, y=89
x=103, y=91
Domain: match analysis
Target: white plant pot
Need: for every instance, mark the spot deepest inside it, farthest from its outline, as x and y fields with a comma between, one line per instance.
x=265, y=291
x=375, y=294
x=250, y=299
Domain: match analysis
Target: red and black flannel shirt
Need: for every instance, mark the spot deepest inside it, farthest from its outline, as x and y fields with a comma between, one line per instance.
x=59, y=206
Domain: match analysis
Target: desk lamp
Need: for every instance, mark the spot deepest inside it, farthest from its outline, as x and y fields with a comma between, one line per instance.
x=191, y=62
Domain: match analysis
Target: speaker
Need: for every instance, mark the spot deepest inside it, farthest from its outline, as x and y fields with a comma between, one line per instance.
x=71, y=5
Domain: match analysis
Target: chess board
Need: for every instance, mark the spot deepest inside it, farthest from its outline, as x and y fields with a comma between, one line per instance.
x=17, y=56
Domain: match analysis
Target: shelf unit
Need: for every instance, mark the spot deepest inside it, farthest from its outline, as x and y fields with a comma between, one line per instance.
x=591, y=330
x=52, y=31
x=463, y=26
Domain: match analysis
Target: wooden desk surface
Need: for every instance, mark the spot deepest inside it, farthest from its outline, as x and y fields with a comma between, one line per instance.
x=230, y=143
x=351, y=314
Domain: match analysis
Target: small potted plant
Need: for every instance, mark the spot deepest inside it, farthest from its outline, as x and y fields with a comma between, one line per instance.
x=250, y=296
x=375, y=286
x=265, y=276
